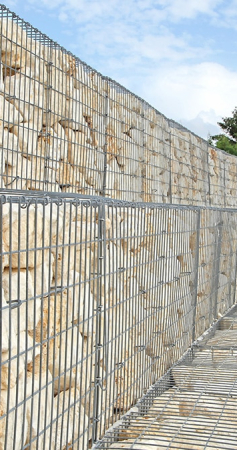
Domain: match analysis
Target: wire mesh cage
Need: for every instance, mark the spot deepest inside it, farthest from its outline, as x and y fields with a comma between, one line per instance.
x=99, y=299
x=67, y=128
x=107, y=277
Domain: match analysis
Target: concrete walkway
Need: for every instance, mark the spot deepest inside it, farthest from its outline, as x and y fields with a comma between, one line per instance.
x=199, y=411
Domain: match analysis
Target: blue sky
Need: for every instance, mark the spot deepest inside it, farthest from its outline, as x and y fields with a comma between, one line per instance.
x=179, y=55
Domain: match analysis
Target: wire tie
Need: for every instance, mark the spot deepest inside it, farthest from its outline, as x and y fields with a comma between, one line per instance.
x=99, y=308
x=16, y=303
x=120, y=365
x=14, y=179
x=25, y=203
x=3, y=199
x=99, y=383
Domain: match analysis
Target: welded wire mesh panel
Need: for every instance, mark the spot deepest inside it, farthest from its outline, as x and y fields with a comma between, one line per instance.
x=66, y=128
x=52, y=114
x=99, y=299
x=219, y=164
x=125, y=145
x=157, y=158
x=216, y=282
x=227, y=263
x=189, y=168
x=149, y=304
x=230, y=185
x=208, y=269
x=49, y=312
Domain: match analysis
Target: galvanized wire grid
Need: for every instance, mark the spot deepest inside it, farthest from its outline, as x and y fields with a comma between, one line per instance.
x=67, y=128
x=98, y=301
x=194, y=406
x=99, y=298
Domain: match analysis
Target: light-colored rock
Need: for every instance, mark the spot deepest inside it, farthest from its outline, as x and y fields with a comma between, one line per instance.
x=1, y=78
x=70, y=421
x=78, y=149
x=42, y=275
x=9, y=115
x=37, y=174
x=39, y=408
x=23, y=229
x=65, y=357
x=62, y=141
x=73, y=117
x=14, y=421
x=8, y=331
x=35, y=61
x=27, y=138
x=63, y=61
x=18, y=355
x=17, y=170
x=13, y=43
x=96, y=124
x=65, y=175
x=73, y=252
x=50, y=147
x=19, y=286
x=54, y=100
x=83, y=305
x=27, y=95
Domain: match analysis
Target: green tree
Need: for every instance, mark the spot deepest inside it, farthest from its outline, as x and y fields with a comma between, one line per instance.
x=227, y=141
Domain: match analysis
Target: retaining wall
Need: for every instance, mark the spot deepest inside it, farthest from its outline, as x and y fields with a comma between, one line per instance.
x=67, y=128
x=99, y=297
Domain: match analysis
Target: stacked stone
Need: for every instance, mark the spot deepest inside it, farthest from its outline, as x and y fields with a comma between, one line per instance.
x=144, y=291
x=48, y=326
x=189, y=169
x=53, y=112
x=66, y=129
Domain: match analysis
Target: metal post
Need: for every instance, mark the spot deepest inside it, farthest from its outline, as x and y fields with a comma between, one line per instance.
x=170, y=180
x=208, y=176
x=106, y=117
x=45, y=160
x=195, y=287
x=99, y=311
x=224, y=184
x=235, y=282
x=1, y=248
x=216, y=269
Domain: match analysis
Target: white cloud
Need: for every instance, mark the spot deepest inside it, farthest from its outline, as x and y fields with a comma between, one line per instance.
x=204, y=124
x=155, y=10
x=227, y=15
x=183, y=9
x=186, y=90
